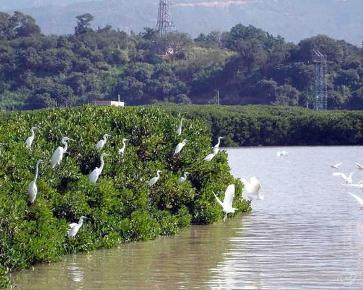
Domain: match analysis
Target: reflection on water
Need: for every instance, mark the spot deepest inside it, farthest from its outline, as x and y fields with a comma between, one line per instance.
x=307, y=234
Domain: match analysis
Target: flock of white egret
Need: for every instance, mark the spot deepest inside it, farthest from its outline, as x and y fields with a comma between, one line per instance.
x=348, y=180
x=252, y=187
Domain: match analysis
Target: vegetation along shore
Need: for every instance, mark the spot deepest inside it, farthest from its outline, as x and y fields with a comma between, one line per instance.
x=277, y=125
x=124, y=203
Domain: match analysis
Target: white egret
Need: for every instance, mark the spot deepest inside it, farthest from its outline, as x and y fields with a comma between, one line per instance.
x=360, y=166
x=252, y=188
x=74, y=227
x=33, y=188
x=95, y=174
x=347, y=178
x=358, y=199
x=209, y=157
x=336, y=166
x=121, y=151
x=228, y=200
x=282, y=154
x=183, y=178
x=180, y=127
x=180, y=146
x=30, y=139
x=155, y=179
x=59, y=152
x=219, y=143
x=100, y=144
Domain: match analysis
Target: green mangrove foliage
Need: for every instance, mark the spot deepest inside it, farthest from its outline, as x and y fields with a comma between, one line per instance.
x=120, y=207
x=277, y=125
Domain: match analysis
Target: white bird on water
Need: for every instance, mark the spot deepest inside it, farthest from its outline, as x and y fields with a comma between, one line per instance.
x=183, y=178
x=74, y=227
x=358, y=199
x=95, y=174
x=360, y=166
x=155, y=179
x=180, y=127
x=100, y=144
x=347, y=178
x=59, y=152
x=252, y=188
x=180, y=146
x=282, y=154
x=228, y=200
x=336, y=166
x=121, y=151
x=30, y=139
x=33, y=188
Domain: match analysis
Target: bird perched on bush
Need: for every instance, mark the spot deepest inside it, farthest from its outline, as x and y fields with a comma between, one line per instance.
x=180, y=146
x=100, y=144
x=30, y=139
x=33, y=188
x=74, y=227
x=95, y=174
x=59, y=152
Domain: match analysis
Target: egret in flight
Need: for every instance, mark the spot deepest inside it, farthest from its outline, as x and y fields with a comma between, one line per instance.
x=59, y=152
x=180, y=146
x=360, y=166
x=30, y=139
x=95, y=174
x=358, y=199
x=33, y=188
x=183, y=178
x=155, y=179
x=180, y=127
x=228, y=200
x=121, y=151
x=74, y=227
x=252, y=188
x=336, y=166
x=347, y=178
x=100, y=144
x=356, y=185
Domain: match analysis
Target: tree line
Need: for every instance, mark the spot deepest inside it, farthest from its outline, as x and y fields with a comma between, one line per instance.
x=245, y=65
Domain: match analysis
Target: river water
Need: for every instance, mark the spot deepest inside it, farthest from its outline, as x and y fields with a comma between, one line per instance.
x=306, y=234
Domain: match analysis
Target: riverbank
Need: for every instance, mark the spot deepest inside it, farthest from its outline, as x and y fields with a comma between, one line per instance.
x=277, y=125
x=121, y=207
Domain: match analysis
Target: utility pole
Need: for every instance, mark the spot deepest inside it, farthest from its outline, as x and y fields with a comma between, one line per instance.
x=165, y=23
x=217, y=97
x=321, y=87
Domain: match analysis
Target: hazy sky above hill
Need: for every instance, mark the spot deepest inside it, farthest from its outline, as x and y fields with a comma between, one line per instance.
x=293, y=19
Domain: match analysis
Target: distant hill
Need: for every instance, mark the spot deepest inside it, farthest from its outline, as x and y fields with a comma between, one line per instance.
x=292, y=19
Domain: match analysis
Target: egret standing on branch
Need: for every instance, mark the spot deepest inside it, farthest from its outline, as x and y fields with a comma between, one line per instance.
x=180, y=127
x=228, y=200
x=33, y=188
x=74, y=227
x=180, y=146
x=155, y=179
x=216, y=147
x=30, y=139
x=183, y=178
x=95, y=174
x=100, y=144
x=59, y=152
x=121, y=151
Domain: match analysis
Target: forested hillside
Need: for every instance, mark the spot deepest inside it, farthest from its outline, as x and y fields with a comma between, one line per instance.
x=246, y=65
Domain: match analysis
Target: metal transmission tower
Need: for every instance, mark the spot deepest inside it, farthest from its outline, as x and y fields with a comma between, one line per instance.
x=321, y=88
x=165, y=23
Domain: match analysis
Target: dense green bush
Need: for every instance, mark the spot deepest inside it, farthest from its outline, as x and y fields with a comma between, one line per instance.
x=277, y=125
x=120, y=207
